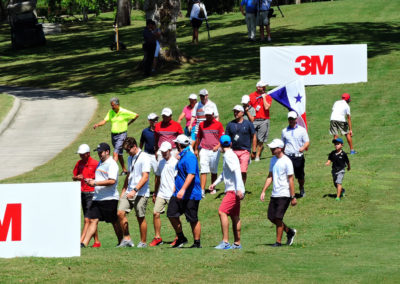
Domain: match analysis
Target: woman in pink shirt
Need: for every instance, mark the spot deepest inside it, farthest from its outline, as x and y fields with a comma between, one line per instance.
x=187, y=113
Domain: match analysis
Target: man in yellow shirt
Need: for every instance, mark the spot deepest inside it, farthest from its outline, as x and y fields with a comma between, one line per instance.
x=119, y=118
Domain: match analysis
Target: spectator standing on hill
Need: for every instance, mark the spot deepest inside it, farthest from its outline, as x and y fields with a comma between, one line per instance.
x=197, y=16
x=296, y=142
x=261, y=102
x=249, y=111
x=234, y=192
x=187, y=195
x=263, y=19
x=187, y=114
x=120, y=119
x=242, y=134
x=147, y=140
x=339, y=125
x=85, y=168
x=151, y=46
x=281, y=175
x=250, y=12
x=339, y=160
x=135, y=193
x=105, y=199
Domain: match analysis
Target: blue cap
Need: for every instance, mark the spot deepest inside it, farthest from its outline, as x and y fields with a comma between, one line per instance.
x=225, y=141
x=337, y=140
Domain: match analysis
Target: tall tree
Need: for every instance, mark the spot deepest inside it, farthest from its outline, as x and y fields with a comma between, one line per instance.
x=124, y=8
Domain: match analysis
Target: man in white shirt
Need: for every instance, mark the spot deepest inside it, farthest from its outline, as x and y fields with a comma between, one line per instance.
x=338, y=124
x=234, y=192
x=296, y=142
x=105, y=199
x=197, y=15
x=135, y=192
x=281, y=175
x=164, y=187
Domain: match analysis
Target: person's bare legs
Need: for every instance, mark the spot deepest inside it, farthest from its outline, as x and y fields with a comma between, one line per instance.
x=260, y=147
x=121, y=161
x=157, y=225
x=236, y=227
x=280, y=227
x=350, y=141
x=196, y=230
x=339, y=190
x=118, y=231
x=203, y=181
x=123, y=223
x=223, y=217
x=176, y=224
x=142, y=228
x=90, y=231
x=244, y=177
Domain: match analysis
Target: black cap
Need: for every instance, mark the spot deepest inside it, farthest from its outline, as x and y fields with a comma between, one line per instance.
x=102, y=147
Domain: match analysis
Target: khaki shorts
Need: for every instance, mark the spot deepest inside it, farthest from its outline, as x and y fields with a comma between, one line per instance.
x=160, y=204
x=339, y=127
x=139, y=203
x=262, y=18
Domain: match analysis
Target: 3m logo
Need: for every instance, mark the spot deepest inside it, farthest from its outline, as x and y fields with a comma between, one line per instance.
x=311, y=64
x=12, y=216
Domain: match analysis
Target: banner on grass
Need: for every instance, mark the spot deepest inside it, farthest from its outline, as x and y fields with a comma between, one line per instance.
x=317, y=64
x=40, y=219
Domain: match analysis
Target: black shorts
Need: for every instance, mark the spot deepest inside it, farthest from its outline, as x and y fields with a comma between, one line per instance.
x=277, y=207
x=86, y=201
x=298, y=166
x=196, y=23
x=185, y=206
x=104, y=211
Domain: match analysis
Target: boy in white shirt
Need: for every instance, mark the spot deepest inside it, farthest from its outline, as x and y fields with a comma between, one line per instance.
x=234, y=189
x=281, y=175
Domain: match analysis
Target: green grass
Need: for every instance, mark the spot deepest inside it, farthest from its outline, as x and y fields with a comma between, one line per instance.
x=6, y=103
x=355, y=240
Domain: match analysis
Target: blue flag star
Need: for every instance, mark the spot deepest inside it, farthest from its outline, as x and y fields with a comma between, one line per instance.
x=298, y=98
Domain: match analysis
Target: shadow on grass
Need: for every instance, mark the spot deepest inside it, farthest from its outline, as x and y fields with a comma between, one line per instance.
x=81, y=60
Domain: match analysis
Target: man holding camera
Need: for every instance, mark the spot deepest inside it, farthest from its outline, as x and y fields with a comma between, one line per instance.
x=263, y=18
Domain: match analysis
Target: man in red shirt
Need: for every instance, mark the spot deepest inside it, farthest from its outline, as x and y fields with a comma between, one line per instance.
x=85, y=168
x=261, y=102
x=210, y=131
x=166, y=130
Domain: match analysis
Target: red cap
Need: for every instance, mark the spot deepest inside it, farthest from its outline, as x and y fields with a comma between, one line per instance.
x=346, y=97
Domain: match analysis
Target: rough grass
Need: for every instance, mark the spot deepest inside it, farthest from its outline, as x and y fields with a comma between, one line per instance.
x=6, y=103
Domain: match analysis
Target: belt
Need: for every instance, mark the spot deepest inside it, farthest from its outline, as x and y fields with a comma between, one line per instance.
x=260, y=119
x=295, y=155
x=118, y=133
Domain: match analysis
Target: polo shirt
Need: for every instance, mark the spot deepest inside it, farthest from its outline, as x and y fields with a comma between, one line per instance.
x=241, y=134
x=340, y=110
x=281, y=168
x=167, y=132
x=188, y=165
x=147, y=138
x=87, y=170
x=166, y=172
x=231, y=173
x=198, y=110
x=106, y=170
x=209, y=134
x=258, y=105
x=339, y=160
x=119, y=121
x=251, y=6
x=294, y=139
x=137, y=165
x=187, y=110
x=265, y=4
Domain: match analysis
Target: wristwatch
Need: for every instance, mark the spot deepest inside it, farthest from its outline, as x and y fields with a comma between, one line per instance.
x=135, y=189
x=293, y=197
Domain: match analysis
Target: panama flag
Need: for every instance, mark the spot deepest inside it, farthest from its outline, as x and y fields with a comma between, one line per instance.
x=293, y=97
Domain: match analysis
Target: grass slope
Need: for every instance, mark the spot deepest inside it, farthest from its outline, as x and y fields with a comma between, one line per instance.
x=352, y=241
x=6, y=103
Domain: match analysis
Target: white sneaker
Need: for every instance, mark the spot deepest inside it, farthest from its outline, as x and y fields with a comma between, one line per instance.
x=126, y=244
x=141, y=245
x=203, y=193
x=269, y=38
x=257, y=159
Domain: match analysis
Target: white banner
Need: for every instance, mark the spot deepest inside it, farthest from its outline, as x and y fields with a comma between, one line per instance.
x=317, y=64
x=40, y=219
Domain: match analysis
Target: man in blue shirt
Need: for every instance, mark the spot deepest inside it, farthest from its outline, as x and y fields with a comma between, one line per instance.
x=187, y=195
x=147, y=139
x=262, y=17
x=250, y=14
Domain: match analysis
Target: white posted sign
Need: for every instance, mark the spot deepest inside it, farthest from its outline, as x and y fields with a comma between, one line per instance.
x=317, y=64
x=40, y=219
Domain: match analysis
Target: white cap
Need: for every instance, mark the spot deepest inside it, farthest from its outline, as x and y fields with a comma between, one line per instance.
x=261, y=84
x=182, y=139
x=276, y=143
x=152, y=116
x=203, y=92
x=238, y=108
x=245, y=99
x=292, y=114
x=166, y=111
x=165, y=146
x=208, y=110
x=193, y=97
x=84, y=148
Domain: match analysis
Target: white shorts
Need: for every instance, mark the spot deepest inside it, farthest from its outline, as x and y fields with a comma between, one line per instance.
x=209, y=161
x=153, y=161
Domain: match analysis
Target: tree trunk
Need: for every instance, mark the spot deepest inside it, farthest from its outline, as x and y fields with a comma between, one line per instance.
x=298, y=1
x=165, y=13
x=3, y=10
x=124, y=13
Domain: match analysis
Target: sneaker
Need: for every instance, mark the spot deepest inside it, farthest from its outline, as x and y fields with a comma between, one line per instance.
x=126, y=244
x=83, y=245
x=141, y=245
x=236, y=246
x=213, y=191
x=290, y=236
x=269, y=39
x=343, y=192
x=257, y=159
x=352, y=152
x=337, y=198
x=123, y=173
x=174, y=241
x=96, y=245
x=223, y=245
x=276, y=244
x=156, y=242
x=180, y=242
x=196, y=246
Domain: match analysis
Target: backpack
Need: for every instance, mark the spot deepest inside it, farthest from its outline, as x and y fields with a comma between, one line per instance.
x=202, y=14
